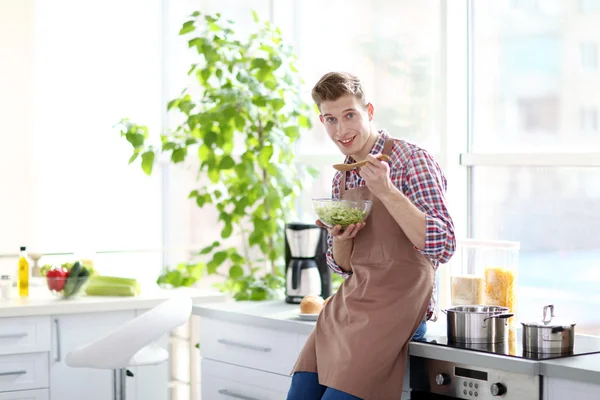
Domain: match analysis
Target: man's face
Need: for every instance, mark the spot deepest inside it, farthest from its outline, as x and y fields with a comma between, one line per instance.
x=348, y=123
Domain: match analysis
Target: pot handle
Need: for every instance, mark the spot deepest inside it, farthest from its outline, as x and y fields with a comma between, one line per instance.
x=548, y=338
x=558, y=329
x=505, y=315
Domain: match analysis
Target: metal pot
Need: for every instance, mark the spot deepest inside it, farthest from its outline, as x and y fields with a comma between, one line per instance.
x=477, y=324
x=548, y=336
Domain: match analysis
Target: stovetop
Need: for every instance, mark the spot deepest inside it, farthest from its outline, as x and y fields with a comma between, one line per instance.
x=513, y=346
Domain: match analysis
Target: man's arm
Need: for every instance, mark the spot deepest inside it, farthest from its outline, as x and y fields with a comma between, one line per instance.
x=338, y=255
x=421, y=210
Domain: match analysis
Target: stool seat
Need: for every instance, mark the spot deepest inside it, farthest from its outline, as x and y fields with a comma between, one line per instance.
x=132, y=344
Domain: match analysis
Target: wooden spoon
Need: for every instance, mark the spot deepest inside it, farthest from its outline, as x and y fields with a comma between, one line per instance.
x=349, y=167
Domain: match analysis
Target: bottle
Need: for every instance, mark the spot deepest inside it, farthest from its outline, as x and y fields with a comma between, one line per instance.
x=23, y=278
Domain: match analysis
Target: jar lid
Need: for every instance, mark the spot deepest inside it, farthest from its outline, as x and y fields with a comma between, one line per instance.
x=549, y=321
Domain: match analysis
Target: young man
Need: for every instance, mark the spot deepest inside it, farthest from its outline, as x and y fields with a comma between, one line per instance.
x=359, y=347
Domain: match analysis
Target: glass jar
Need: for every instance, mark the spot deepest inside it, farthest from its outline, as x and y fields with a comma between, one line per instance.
x=484, y=273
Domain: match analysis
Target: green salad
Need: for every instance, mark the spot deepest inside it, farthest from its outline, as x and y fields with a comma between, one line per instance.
x=339, y=214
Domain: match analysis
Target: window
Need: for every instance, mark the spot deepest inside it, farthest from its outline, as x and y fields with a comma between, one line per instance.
x=394, y=47
x=588, y=6
x=589, y=56
x=78, y=77
x=533, y=176
x=588, y=119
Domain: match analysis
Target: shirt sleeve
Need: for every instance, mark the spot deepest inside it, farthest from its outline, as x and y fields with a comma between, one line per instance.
x=425, y=185
x=335, y=194
x=331, y=262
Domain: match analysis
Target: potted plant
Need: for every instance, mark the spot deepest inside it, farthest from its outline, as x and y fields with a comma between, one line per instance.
x=241, y=118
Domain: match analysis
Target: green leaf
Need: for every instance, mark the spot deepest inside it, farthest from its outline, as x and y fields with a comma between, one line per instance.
x=265, y=155
x=255, y=16
x=136, y=139
x=169, y=146
x=134, y=157
x=240, y=122
x=148, y=162
x=203, y=152
x=304, y=121
x=227, y=231
x=179, y=154
x=187, y=27
x=277, y=104
x=226, y=163
x=236, y=271
x=259, y=63
x=209, y=248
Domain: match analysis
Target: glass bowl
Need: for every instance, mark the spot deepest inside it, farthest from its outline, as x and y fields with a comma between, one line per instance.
x=341, y=212
x=67, y=287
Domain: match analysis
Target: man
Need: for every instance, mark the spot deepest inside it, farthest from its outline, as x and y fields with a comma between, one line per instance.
x=359, y=347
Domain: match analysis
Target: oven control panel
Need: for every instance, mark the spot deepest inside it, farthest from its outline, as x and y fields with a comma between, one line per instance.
x=459, y=381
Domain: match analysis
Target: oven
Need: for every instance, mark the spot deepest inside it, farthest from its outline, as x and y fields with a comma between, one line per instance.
x=443, y=380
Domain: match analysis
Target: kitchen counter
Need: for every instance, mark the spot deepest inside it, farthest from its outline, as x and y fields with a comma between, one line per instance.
x=42, y=302
x=278, y=315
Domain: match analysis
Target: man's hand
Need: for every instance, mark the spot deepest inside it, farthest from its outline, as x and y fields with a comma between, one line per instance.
x=343, y=235
x=377, y=176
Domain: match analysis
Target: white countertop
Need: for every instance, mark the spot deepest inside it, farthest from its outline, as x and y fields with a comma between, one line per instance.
x=281, y=316
x=42, y=302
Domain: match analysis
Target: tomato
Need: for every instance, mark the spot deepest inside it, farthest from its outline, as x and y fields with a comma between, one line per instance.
x=56, y=278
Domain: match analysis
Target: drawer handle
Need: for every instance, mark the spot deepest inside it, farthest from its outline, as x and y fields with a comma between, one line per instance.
x=244, y=345
x=57, y=358
x=229, y=393
x=13, y=373
x=13, y=335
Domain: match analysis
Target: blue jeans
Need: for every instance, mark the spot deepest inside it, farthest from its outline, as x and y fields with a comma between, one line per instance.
x=306, y=386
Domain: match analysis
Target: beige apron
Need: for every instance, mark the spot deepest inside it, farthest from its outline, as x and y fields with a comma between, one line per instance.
x=360, y=342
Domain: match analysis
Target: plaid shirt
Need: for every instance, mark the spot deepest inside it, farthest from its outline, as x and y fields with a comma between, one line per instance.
x=414, y=172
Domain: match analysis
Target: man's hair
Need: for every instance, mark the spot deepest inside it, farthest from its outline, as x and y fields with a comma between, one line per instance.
x=334, y=85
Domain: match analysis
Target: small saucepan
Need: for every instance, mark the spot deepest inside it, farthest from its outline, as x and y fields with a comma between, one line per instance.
x=548, y=336
x=477, y=324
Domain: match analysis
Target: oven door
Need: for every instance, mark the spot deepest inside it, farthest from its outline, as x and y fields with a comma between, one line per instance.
x=436, y=379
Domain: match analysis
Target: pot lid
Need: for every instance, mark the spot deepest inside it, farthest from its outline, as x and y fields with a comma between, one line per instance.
x=549, y=321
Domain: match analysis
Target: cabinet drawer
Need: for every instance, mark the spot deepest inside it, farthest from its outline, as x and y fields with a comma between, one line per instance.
x=41, y=394
x=24, y=335
x=248, y=346
x=222, y=381
x=23, y=372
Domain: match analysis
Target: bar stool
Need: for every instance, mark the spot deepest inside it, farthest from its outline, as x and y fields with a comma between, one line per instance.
x=131, y=345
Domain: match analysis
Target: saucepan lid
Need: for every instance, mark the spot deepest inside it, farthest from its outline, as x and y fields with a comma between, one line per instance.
x=549, y=321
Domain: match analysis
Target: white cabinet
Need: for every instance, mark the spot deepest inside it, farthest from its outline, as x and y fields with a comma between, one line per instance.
x=246, y=362
x=25, y=335
x=222, y=381
x=560, y=389
x=41, y=394
x=70, y=332
x=23, y=371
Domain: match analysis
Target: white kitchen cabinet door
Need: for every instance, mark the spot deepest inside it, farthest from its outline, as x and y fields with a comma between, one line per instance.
x=222, y=381
x=560, y=389
x=41, y=394
x=70, y=332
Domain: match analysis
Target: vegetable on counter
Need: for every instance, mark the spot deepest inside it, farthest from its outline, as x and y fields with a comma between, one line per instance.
x=57, y=277
x=67, y=282
x=112, y=286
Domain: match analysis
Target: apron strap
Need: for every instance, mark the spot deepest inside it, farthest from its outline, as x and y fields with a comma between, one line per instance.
x=343, y=183
x=387, y=147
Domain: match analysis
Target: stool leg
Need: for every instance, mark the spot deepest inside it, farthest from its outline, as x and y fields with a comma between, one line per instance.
x=115, y=385
x=122, y=381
